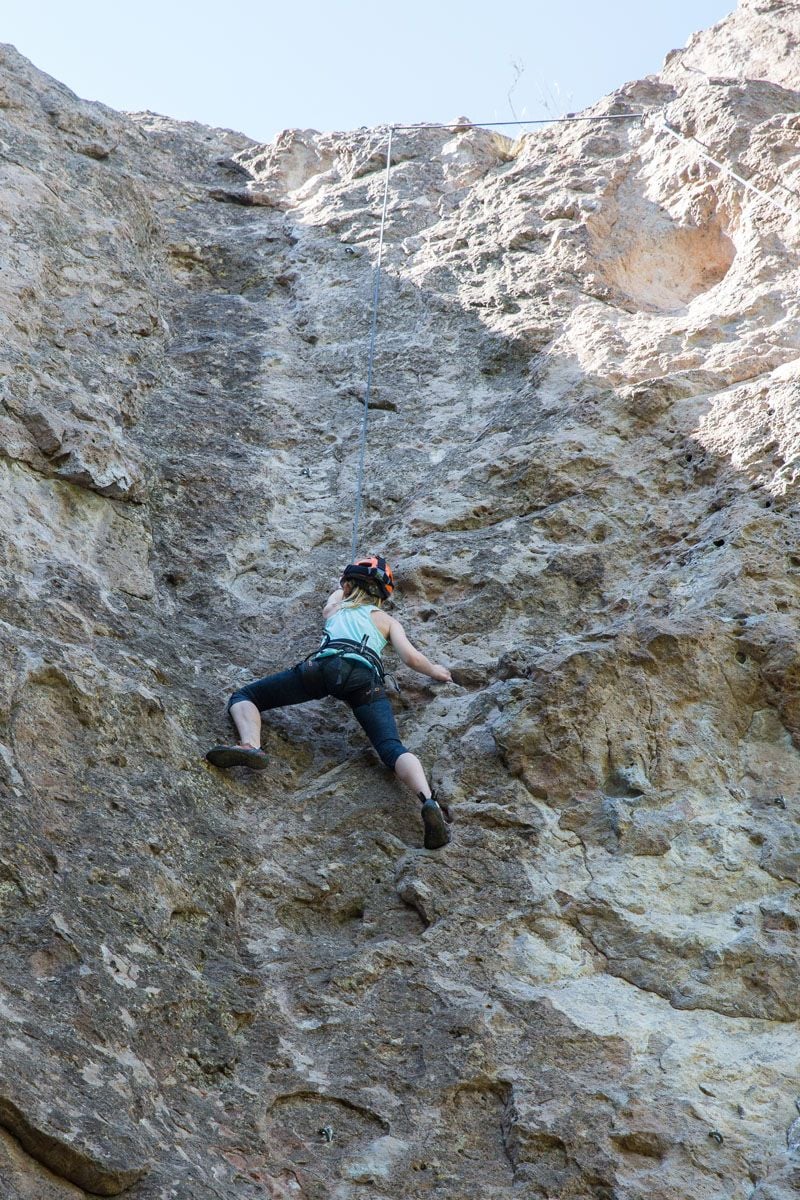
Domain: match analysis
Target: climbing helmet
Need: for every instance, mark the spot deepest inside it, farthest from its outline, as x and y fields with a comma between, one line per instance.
x=375, y=571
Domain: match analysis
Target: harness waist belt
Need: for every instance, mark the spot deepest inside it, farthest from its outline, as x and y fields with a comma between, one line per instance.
x=348, y=649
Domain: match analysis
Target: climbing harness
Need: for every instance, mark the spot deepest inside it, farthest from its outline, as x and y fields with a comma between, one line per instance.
x=344, y=646
x=345, y=650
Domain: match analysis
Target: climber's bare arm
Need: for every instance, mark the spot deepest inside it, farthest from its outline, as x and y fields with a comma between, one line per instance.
x=410, y=655
x=332, y=603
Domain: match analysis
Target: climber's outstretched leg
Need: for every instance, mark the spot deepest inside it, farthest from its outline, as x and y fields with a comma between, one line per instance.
x=378, y=722
x=295, y=686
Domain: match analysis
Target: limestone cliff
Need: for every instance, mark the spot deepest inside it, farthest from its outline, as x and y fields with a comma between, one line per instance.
x=584, y=451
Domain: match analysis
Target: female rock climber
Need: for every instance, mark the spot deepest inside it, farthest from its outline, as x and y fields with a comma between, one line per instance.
x=347, y=665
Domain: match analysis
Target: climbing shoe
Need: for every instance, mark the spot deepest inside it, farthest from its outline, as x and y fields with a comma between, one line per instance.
x=237, y=756
x=433, y=818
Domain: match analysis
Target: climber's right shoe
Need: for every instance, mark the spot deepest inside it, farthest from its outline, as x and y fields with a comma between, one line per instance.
x=433, y=818
x=237, y=756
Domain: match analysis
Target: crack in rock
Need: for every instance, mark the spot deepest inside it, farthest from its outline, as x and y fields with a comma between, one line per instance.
x=77, y=1164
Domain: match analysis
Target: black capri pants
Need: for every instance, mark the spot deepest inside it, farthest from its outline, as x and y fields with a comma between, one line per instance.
x=332, y=675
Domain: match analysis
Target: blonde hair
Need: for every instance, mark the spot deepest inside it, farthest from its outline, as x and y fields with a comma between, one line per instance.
x=361, y=595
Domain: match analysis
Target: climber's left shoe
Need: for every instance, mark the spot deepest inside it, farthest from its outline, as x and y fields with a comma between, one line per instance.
x=237, y=756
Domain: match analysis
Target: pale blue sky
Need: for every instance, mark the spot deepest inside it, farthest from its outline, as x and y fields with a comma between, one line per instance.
x=262, y=67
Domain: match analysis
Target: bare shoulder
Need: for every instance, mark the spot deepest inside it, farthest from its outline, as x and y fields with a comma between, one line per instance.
x=332, y=604
x=383, y=622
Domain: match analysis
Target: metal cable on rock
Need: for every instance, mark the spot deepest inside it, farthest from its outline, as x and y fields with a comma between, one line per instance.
x=462, y=125
x=376, y=294
x=376, y=287
x=703, y=153
x=569, y=119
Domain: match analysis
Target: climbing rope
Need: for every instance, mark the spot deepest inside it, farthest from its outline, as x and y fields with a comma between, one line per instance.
x=376, y=280
x=373, y=330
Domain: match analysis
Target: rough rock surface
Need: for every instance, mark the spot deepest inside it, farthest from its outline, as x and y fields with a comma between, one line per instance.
x=584, y=456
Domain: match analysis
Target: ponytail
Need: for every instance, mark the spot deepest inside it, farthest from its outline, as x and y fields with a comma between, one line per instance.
x=362, y=595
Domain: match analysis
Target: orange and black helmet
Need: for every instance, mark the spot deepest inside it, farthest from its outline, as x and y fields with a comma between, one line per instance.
x=375, y=571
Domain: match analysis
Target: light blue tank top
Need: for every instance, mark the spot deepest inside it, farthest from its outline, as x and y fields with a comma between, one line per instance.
x=353, y=624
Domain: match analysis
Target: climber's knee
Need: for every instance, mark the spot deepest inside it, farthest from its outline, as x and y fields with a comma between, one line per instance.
x=237, y=698
x=390, y=751
x=388, y=746
x=377, y=721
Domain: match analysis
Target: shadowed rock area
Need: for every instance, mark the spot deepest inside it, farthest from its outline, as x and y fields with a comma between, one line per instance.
x=584, y=451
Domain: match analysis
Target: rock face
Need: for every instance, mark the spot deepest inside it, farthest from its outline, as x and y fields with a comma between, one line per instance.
x=758, y=41
x=584, y=450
